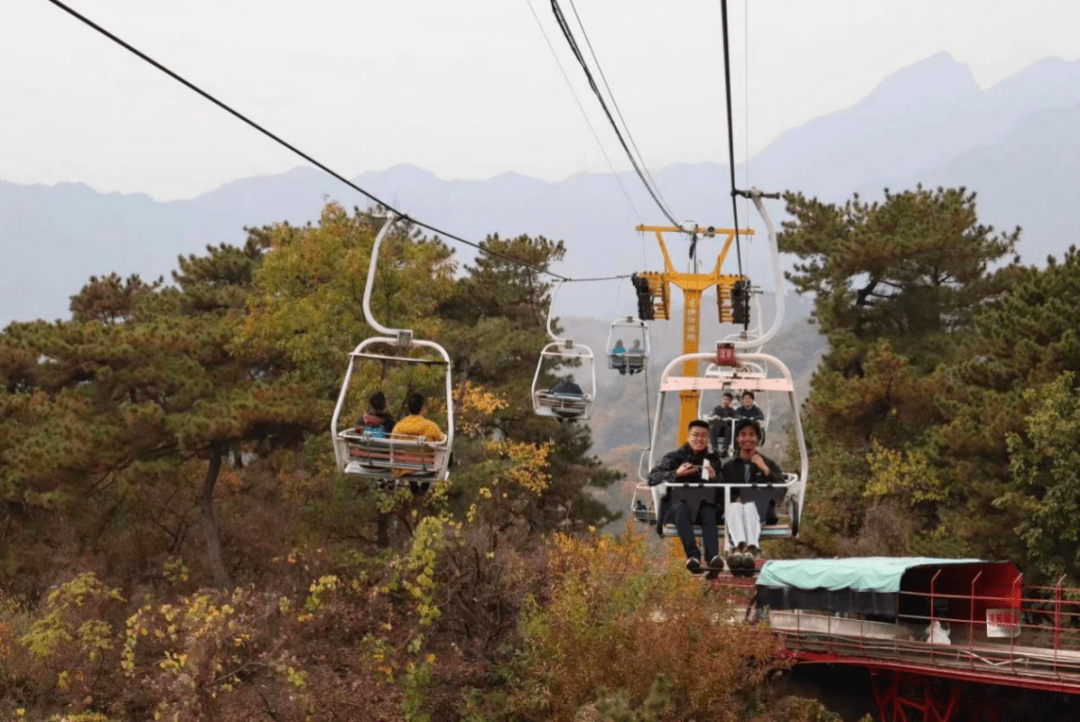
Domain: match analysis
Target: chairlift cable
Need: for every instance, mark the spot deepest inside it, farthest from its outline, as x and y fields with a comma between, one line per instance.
x=403, y=216
x=730, y=132
x=611, y=95
x=581, y=107
x=569, y=35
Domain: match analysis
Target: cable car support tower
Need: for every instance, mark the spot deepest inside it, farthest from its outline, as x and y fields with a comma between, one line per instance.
x=654, y=297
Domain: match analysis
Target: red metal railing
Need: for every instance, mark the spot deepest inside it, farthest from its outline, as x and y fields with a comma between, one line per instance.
x=1027, y=636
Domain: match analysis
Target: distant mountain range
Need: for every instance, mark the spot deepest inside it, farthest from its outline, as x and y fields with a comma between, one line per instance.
x=1016, y=144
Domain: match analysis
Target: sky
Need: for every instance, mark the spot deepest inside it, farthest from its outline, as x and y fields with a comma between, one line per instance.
x=465, y=89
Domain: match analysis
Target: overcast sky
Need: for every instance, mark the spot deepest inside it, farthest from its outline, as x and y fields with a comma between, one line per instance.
x=466, y=89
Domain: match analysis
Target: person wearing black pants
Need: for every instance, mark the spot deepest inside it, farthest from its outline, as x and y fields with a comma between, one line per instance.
x=691, y=463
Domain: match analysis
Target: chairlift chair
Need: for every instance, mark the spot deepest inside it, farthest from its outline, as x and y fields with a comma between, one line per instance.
x=731, y=378
x=564, y=404
x=787, y=496
x=397, y=458
x=566, y=400
x=635, y=357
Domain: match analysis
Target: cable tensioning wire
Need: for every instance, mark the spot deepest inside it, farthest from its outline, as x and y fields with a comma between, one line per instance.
x=581, y=107
x=746, y=101
x=731, y=133
x=305, y=156
x=565, y=27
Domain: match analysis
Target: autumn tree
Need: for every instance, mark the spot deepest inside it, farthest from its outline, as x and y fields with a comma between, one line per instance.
x=142, y=397
x=896, y=285
x=498, y=317
x=1045, y=466
x=1018, y=346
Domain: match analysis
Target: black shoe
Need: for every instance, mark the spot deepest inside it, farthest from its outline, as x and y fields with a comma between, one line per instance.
x=753, y=551
x=693, y=565
x=716, y=564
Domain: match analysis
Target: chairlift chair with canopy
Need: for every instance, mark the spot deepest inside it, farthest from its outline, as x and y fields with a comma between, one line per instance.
x=746, y=368
x=560, y=403
x=786, y=498
x=393, y=458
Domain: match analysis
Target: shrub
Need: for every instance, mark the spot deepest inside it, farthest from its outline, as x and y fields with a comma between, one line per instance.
x=621, y=630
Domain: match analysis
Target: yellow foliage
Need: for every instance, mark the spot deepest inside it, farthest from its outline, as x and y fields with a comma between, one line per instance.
x=906, y=474
x=475, y=405
x=61, y=629
x=617, y=619
x=528, y=463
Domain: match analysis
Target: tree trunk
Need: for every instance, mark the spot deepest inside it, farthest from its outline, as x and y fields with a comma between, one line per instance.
x=382, y=530
x=209, y=521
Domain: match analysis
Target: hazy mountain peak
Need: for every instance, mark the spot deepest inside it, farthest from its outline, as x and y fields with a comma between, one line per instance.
x=939, y=77
x=300, y=175
x=1049, y=83
x=406, y=172
x=1016, y=145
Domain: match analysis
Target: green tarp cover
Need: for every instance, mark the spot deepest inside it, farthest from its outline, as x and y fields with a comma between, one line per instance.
x=863, y=574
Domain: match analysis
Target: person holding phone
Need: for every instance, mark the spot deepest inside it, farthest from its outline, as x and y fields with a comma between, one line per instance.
x=692, y=462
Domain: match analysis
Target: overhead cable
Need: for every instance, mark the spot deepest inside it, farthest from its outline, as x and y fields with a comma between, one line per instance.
x=746, y=100
x=611, y=95
x=569, y=35
x=730, y=133
x=310, y=159
x=582, y=109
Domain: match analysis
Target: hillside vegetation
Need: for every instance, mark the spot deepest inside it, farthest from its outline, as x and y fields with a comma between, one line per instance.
x=176, y=543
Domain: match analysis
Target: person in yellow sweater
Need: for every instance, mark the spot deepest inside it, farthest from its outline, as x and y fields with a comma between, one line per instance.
x=416, y=425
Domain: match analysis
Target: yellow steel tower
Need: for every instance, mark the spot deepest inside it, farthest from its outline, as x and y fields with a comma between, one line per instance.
x=731, y=292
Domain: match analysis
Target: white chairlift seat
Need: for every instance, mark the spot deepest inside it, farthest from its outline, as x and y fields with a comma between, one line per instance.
x=396, y=457
x=780, y=504
x=381, y=458
x=563, y=404
x=635, y=357
x=560, y=354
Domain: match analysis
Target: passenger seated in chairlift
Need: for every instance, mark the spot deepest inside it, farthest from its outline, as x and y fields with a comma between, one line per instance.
x=743, y=520
x=618, y=357
x=693, y=462
x=416, y=425
x=720, y=427
x=750, y=410
x=635, y=358
x=377, y=421
x=567, y=389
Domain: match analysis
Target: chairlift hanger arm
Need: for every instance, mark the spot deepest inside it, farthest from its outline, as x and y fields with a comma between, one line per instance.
x=404, y=336
x=551, y=316
x=778, y=274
